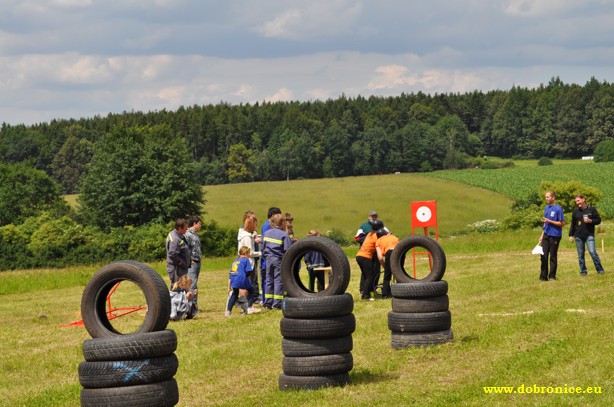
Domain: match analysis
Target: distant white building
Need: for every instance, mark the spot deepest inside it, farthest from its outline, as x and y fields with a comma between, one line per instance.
x=588, y=157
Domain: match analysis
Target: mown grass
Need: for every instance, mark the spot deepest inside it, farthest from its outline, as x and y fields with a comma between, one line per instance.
x=343, y=203
x=510, y=329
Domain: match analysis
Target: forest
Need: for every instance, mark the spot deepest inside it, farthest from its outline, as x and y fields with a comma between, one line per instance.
x=340, y=137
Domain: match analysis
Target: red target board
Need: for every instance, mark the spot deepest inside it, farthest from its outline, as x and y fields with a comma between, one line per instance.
x=424, y=214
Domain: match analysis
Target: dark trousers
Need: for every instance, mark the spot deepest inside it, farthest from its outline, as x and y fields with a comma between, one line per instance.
x=550, y=245
x=366, y=269
x=387, y=275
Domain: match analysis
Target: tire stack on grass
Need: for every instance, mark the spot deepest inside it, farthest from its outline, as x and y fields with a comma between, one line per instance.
x=317, y=341
x=420, y=313
x=136, y=369
x=130, y=370
x=316, y=328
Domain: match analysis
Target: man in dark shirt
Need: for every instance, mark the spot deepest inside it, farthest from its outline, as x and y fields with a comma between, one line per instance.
x=582, y=230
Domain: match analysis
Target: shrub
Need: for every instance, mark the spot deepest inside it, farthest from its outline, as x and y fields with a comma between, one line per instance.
x=338, y=237
x=484, y=226
x=530, y=217
x=544, y=161
x=604, y=151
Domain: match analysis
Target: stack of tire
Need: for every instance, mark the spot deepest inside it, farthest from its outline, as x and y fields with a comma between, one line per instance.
x=420, y=313
x=316, y=328
x=134, y=369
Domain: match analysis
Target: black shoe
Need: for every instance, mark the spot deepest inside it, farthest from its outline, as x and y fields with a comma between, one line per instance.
x=552, y=278
x=543, y=279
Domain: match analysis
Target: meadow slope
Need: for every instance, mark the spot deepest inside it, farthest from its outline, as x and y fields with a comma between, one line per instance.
x=343, y=203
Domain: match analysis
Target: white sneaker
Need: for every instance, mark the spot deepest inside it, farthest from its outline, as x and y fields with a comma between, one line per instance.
x=252, y=310
x=227, y=313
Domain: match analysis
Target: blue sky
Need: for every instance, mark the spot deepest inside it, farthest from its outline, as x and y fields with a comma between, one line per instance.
x=63, y=59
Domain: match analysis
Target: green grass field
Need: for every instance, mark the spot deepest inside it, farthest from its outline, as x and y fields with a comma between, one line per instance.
x=343, y=203
x=510, y=330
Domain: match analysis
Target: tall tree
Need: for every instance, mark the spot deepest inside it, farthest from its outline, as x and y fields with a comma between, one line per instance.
x=138, y=175
x=238, y=163
x=25, y=191
x=70, y=163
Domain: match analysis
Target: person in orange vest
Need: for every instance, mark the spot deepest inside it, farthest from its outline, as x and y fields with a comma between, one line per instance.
x=365, y=257
x=384, y=245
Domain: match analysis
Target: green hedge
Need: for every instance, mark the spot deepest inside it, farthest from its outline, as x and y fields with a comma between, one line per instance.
x=45, y=241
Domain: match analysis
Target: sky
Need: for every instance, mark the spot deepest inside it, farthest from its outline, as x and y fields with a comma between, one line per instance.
x=63, y=59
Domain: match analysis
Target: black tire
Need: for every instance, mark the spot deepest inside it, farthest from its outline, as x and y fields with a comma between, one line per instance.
x=405, y=245
x=95, y=375
x=93, y=302
x=127, y=347
x=321, y=328
x=427, y=304
x=400, y=340
x=312, y=382
x=159, y=394
x=318, y=307
x=316, y=347
x=318, y=365
x=340, y=274
x=419, y=290
x=419, y=323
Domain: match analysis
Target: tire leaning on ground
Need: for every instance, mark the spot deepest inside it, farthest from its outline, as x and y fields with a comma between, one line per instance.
x=340, y=266
x=317, y=307
x=133, y=346
x=94, y=300
x=119, y=373
x=159, y=394
x=399, y=340
x=438, y=258
x=419, y=290
x=419, y=323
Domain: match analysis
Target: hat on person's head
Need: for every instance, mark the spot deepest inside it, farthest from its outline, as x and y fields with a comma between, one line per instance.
x=372, y=213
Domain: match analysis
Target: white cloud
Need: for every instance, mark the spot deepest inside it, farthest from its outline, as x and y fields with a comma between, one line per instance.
x=282, y=95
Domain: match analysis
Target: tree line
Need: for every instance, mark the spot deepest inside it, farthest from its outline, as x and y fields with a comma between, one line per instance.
x=340, y=137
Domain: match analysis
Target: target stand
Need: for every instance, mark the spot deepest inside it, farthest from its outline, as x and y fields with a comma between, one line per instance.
x=423, y=216
x=112, y=312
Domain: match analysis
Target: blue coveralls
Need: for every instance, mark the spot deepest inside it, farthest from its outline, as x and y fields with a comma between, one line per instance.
x=276, y=242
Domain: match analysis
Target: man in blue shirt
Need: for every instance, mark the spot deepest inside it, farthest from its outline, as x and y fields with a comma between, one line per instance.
x=551, y=236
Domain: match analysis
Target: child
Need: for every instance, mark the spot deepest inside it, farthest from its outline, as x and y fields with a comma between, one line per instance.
x=239, y=279
x=182, y=300
x=276, y=243
x=289, y=228
x=314, y=260
x=386, y=242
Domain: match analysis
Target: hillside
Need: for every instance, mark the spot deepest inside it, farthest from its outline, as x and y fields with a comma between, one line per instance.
x=343, y=203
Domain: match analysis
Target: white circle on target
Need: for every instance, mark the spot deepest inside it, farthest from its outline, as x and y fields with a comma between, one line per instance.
x=423, y=214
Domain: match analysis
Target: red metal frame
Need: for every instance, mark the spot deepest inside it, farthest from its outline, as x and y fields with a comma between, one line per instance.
x=433, y=223
x=111, y=311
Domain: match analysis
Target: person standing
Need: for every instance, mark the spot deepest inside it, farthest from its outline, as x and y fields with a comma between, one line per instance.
x=177, y=251
x=248, y=237
x=583, y=220
x=273, y=210
x=275, y=243
x=364, y=258
x=239, y=280
x=552, y=232
x=193, y=240
x=363, y=230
